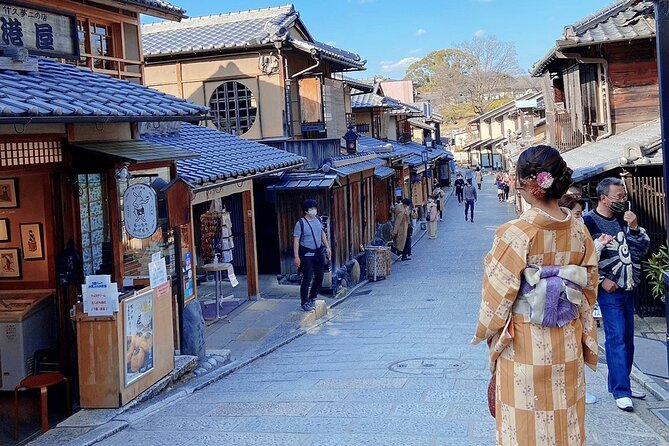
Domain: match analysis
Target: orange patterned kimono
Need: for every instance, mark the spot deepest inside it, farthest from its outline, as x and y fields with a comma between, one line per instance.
x=539, y=370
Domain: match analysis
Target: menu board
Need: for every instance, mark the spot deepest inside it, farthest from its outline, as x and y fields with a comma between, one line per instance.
x=100, y=296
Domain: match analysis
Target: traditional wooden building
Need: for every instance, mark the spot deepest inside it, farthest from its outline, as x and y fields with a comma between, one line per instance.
x=266, y=78
x=601, y=94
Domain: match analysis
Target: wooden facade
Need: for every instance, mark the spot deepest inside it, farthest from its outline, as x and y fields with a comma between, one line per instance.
x=350, y=210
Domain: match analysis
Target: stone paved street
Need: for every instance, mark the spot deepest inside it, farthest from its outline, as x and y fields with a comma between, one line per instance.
x=393, y=367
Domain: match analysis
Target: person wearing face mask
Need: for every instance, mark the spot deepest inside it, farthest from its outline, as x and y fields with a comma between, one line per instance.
x=310, y=245
x=619, y=274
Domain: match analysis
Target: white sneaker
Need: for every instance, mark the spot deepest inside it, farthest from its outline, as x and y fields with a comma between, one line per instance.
x=590, y=398
x=625, y=404
x=639, y=395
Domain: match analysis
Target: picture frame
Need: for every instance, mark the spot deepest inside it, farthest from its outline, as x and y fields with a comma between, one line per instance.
x=9, y=193
x=138, y=334
x=10, y=263
x=32, y=242
x=5, y=234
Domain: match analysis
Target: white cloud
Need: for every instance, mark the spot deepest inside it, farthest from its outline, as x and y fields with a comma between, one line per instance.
x=416, y=51
x=399, y=65
x=479, y=33
x=420, y=31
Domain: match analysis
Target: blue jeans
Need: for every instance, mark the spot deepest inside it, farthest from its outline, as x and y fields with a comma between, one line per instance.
x=469, y=204
x=618, y=317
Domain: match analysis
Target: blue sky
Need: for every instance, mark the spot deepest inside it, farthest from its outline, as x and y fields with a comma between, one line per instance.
x=391, y=34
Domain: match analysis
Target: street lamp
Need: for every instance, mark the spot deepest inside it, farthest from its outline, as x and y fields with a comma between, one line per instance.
x=351, y=137
x=662, y=43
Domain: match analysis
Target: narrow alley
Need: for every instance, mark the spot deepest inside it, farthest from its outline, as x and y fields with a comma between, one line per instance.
x=393, y=367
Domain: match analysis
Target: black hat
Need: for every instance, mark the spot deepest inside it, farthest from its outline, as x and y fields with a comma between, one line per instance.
x=308, y=204
x=406, y=201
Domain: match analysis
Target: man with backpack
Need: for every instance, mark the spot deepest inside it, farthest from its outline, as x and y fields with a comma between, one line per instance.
x=310, y=247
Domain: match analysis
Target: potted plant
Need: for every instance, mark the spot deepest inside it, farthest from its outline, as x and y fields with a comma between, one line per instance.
x=656, y=267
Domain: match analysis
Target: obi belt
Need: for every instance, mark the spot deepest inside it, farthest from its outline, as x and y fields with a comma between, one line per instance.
x=551, y=295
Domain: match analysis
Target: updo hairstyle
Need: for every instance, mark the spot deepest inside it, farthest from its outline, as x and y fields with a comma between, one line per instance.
x=543, y=158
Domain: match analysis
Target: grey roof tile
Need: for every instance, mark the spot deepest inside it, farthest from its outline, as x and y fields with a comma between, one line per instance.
x=370, y=100
x=223, y=156
x=63, y=93
x=597, y=157
x=156, y=5
x=622, y=20
x=241, y=29
x=298, y=180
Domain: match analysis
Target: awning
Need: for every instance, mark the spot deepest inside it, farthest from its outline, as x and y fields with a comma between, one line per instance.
x=421, y=124
x=476, y=144
x=134, y=152
x=383, y=172
x=303, y=181
x=592, y=159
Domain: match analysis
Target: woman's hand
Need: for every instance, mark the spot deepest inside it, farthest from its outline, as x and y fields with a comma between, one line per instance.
x=605, y=239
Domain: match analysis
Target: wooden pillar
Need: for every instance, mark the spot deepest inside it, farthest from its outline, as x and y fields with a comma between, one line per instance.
x=250, y=244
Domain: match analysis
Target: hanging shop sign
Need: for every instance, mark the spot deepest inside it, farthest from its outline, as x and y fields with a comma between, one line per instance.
x=42, y=31
x=140, y=211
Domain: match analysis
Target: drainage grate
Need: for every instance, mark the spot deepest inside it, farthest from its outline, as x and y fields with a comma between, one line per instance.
x=428, y=366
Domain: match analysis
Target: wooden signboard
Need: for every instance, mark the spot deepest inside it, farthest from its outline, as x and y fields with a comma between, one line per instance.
x=42, y=31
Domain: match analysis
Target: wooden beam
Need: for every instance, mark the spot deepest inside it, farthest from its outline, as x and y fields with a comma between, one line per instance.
x=250, y=244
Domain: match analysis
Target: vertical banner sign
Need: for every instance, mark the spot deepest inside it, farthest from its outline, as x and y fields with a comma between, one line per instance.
x=140, y=213
x=42, y=31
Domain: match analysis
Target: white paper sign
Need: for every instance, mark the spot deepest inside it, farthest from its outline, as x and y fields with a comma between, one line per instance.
x=100, y=296
x=231, y=275
x=157, y=272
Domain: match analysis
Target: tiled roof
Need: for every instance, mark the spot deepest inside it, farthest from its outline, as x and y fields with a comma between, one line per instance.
x=411, y=153
x=241, y=29
x=229, y=30
x=623, y=20
x=299, y=180
x=371, y=100
x=64, y=93
x=147, y=6
x=329, y=52
x=594, y=158
x=223, y=157
x=420, y=123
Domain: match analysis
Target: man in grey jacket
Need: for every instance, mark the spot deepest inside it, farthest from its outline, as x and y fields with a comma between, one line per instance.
x=470, y=198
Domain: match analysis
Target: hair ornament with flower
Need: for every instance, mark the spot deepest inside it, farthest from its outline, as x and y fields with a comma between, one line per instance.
x=538, y=184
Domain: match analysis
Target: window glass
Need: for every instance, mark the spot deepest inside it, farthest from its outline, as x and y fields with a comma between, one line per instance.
x=233, y=107
x=95, y=240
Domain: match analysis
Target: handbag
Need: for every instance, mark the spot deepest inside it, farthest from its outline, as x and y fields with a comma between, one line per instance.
x=492, y=401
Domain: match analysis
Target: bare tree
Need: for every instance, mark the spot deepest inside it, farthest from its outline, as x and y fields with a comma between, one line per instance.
x=470, y=77
x=494, y=70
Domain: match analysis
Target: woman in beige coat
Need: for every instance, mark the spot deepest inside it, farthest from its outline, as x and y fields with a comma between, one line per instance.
x=401, y=217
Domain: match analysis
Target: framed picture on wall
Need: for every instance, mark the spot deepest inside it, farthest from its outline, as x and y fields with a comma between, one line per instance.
x=10, y=264
x=4, y=230
x=9, y=194
x=31, y=241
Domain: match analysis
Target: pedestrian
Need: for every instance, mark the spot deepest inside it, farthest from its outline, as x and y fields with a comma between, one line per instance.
x=500, y=188
x=507, y=186
x=576, y=205
x=439, y=199
x=413, y=215
x=310, y=247
x=479, y=176
x=470, y=196
x=619, y=273
x=401, y=223
x=537, y=318
x=459, y=187
x=432, y=218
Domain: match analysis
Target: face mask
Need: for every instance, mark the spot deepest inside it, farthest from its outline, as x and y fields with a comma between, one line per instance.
x=312, y=212
x=618, y=207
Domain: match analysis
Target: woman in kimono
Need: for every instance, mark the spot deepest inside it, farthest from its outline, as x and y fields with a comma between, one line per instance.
x=432, y=214
x=539, y=287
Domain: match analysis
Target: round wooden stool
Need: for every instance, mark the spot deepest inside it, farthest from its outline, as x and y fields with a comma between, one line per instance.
x=40, y=381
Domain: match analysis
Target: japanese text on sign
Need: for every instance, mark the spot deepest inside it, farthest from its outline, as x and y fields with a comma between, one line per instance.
x=39, y=31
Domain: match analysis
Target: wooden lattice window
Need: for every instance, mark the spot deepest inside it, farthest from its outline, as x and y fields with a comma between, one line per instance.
x=30, y=153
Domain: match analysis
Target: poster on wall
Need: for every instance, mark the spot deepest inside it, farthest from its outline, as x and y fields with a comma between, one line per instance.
x=138, y=332
x=10, y=264
x=9, y=196
x=189, y=288
x=31, y=241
